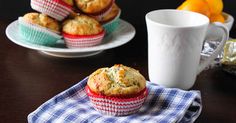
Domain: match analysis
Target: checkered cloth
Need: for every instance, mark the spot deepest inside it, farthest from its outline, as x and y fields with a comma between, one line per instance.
x=163, y=105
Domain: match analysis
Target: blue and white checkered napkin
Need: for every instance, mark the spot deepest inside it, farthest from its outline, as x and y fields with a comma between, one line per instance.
x=163, y=105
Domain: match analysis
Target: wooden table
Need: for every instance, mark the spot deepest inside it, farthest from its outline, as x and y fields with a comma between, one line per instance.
x=29, y=78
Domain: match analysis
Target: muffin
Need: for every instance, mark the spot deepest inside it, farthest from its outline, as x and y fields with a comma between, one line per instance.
x=82, y=31
x=58, y=9
x=39, y=29
x=95, y=8
x=119, y=90
x=110, y=22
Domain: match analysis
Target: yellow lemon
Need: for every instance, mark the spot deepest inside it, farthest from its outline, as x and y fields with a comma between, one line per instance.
x=216, y=6
x=199, y=6
x=217, y=18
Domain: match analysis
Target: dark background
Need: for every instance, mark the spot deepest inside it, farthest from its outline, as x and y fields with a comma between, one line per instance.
x=28, y=79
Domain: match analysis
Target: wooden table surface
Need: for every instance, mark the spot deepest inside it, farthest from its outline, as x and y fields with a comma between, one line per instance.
x=28, y=78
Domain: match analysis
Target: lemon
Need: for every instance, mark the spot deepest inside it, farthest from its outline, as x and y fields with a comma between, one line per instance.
x=199, y=6
x=217, y=18
x=216, y=6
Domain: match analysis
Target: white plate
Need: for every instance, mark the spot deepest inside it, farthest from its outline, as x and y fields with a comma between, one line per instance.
x=119, y=37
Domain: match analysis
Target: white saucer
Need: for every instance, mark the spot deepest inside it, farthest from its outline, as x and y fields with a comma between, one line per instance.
x=119, y=37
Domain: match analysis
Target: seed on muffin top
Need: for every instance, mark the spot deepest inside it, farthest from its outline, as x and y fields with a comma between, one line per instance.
x=119, y=80
x=42, y=20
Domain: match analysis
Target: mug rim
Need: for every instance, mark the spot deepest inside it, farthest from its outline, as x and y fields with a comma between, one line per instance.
x=175, y=26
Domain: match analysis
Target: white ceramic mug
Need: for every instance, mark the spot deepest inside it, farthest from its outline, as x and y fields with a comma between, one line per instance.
x=175, y=40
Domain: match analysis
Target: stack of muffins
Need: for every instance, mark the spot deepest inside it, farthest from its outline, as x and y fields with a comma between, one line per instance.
x=82, y=23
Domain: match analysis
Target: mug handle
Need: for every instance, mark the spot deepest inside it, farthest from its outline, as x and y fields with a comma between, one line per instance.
x=219, y=48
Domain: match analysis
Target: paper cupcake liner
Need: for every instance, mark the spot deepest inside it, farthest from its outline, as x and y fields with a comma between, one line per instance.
x=116, y=106
x=100, y=15
x=37, y=35
x=112, y=25
x=77, y=41
x=54, y=8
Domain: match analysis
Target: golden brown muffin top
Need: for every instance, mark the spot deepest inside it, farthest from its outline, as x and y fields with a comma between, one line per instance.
x=42, y=20
x=93, y=6
x=82, y=25
x=112, y=14
x=69, y=2
x=119, y=80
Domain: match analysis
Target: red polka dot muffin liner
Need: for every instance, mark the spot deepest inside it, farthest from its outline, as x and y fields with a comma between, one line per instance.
x=80, y=41
x=54, y=8
x=117, y=106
